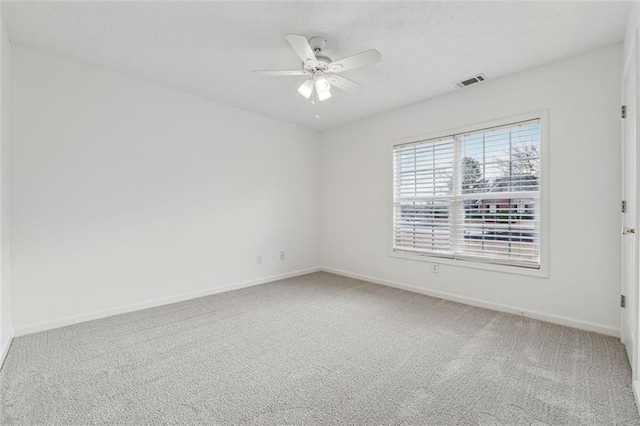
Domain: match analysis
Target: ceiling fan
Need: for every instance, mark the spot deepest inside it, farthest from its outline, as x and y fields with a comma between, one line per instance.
x=321, y=69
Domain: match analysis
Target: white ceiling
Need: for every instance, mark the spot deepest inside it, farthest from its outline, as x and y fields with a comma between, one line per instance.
x=209, y=48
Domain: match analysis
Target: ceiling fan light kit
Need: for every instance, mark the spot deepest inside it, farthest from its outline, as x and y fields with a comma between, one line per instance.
x=306, y=88
x=322, y=84
x=321, y=69
x=323, y=95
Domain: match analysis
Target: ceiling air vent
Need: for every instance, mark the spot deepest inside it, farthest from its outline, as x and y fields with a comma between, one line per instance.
x=473, y=80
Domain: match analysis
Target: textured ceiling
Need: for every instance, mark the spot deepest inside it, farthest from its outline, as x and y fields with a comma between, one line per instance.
x=209, y=48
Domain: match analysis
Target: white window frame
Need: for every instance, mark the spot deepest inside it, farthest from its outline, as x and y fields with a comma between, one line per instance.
x=543, y=271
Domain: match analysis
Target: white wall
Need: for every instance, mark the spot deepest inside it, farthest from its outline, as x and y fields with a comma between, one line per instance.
x=6, y=329
x=124, y=191
x=632, y=24
x=582, y=95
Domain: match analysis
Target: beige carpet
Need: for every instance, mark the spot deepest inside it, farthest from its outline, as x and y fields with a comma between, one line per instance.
x=317, y=349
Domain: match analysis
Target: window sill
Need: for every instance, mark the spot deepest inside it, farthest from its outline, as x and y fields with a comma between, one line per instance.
x=516, y=270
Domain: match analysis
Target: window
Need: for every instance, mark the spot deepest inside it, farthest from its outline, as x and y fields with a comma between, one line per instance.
x=472, y=196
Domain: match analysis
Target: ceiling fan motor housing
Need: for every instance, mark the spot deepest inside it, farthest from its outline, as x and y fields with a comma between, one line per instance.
x=323, y=61
x=317, y=45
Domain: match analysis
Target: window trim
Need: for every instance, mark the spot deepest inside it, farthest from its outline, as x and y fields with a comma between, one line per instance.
x=543, y=271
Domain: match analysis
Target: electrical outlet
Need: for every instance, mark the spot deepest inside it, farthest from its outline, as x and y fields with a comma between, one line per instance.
x=435, y=268
x=259, y=259
x=282, y=256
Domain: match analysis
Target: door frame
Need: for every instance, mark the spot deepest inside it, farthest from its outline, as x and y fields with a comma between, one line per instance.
x=632, y=57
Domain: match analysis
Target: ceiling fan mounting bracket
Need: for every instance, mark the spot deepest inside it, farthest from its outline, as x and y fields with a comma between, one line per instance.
x=317, y=44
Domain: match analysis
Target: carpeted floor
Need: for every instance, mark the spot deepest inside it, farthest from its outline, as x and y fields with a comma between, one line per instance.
x=317, y=349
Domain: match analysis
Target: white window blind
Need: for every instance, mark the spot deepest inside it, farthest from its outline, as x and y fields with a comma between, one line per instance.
x=473, y=196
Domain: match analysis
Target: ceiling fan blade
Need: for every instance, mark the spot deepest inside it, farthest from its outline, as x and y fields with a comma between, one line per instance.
x=358, y=60
x=344, y=84
x=278, y=73
x=302, y=48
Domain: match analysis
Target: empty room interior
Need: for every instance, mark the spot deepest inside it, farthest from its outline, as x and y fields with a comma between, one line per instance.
x=297, y=212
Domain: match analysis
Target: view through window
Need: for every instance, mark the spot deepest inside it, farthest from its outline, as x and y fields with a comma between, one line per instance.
x=471, y=196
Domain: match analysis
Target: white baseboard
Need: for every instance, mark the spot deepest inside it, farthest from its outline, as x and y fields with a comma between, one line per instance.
x=48, y=325
x=556, y=319
x=636, y=393
x=5, y=349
